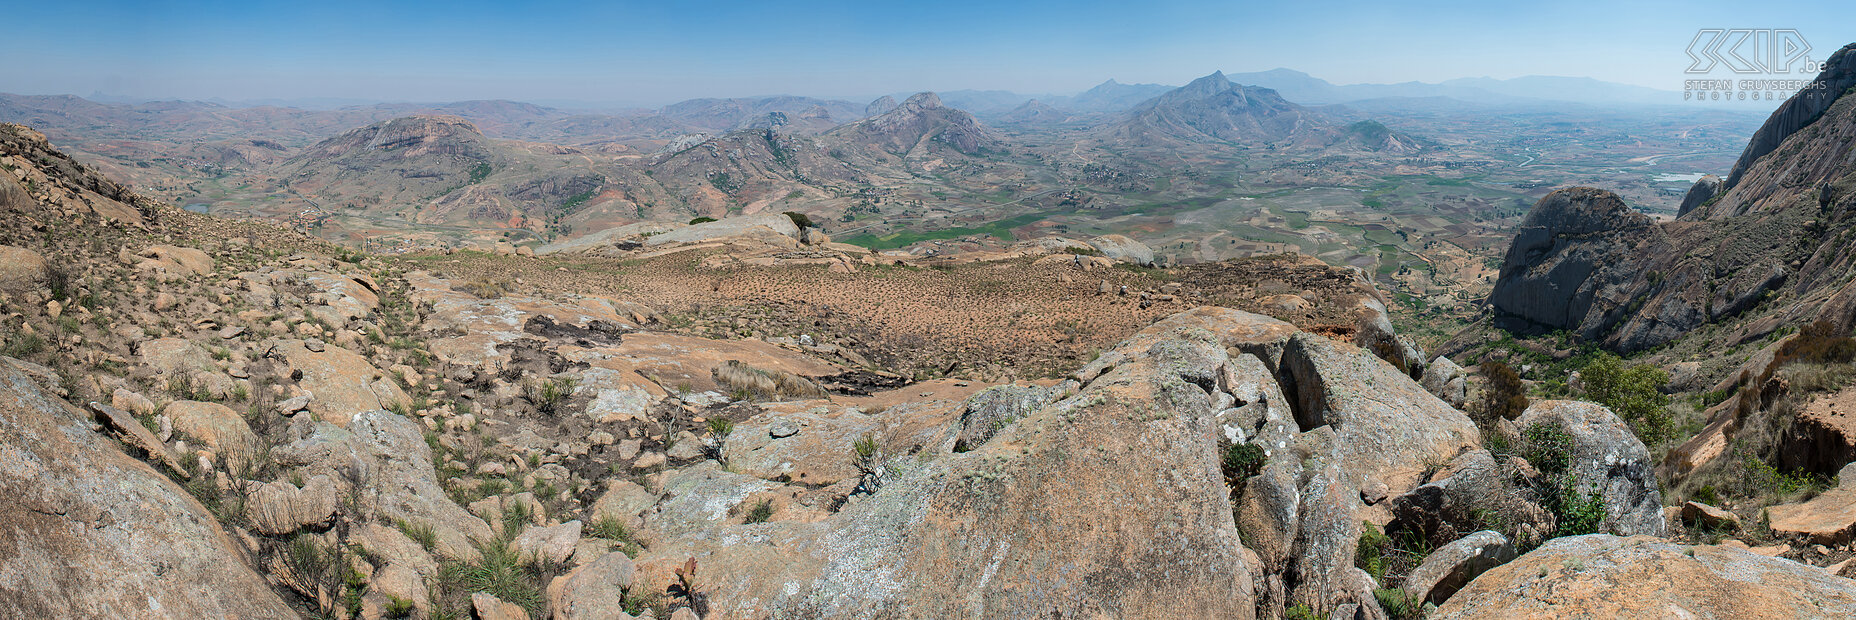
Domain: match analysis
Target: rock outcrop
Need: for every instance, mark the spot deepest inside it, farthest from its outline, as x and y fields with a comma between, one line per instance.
x=1601, y=576
x=1699, y=194
x=91, y=532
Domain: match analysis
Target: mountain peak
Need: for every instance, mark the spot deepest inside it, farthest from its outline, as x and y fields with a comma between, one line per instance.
x=923, y=100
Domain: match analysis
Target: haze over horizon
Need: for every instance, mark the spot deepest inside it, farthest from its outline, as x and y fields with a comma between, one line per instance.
x=642, y=54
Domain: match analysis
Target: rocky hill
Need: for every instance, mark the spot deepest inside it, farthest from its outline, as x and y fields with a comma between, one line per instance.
x=1212, y=109
x=204, y=417
x=920, y=127
x=1772, y=238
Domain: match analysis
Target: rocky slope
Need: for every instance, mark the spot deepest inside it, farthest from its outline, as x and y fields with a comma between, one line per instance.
x=1773, y=237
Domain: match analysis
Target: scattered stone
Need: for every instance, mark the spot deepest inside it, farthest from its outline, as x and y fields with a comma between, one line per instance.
x=488, y=607
x=782, y=428
x=1705, y=517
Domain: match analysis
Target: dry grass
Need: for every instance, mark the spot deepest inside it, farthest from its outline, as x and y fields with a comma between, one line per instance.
x=737, y=377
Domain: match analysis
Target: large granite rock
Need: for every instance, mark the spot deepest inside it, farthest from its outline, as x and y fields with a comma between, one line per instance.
x=88, y=532
x=1023, y=521
x=1574, y=261
x=1447, y=569
x=1601, y=576
x=1122, y=248
x=759, y=224
x=1386, y=426
x=1605, y=456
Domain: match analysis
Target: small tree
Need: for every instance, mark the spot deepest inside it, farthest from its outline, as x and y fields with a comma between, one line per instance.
x=799, y=219
x=1634, y=393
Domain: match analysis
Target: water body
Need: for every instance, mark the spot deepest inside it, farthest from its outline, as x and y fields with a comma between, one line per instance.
x=1680, y=178
x=198, y=208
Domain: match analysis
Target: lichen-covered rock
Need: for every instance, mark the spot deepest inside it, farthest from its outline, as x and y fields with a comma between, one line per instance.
x=994, y=407
x=1604, y=456
x=281, y=507
x=386, y=455
x=1447, y=569
x=1602, y=576
x=1122, y=248
x=1386, y=426
x=595, y=591
x=1446, y=380
x=1018, y=523
x=218, y=427
x=87, y=531
x=553, y=543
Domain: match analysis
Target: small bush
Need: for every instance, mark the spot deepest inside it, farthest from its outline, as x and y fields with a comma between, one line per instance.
x=701, y=220
x=1240, y=462
x=1398, y=605
x=1579, y=511
x=23, y=344
x=1504, y=396
x=1546, y=447
x=398, y=607
x=799, y=219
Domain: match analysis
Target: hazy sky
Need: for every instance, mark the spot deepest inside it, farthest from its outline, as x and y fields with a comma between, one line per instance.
x=657, y=52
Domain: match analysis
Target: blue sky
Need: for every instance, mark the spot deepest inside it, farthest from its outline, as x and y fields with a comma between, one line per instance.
x=653, y=53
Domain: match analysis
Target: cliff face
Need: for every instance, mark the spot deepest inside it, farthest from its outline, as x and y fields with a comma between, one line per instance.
x=1774, y=230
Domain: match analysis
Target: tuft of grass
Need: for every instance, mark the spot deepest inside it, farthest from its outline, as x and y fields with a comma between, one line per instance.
x=760, y=513
x=422, y=533
x=721, y=427
x=499, y=571
x=609, y=528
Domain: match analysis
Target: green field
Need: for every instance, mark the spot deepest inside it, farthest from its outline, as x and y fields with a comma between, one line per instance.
x=1001, y=229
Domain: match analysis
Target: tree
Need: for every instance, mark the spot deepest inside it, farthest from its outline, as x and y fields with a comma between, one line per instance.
x=1634, y=393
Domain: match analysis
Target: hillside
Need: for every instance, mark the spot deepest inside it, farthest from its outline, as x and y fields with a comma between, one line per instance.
x=1212, y=109
x=1773, y=238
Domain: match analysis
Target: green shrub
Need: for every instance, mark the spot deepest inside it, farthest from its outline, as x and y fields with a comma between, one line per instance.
x=1634, y=393
x=1579, y=511
x=721, y=427
x=23, y=344
x=1546, y=447
x=701, y=220
x=1398, y=605
x=1240, y=462
x=799, y=219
